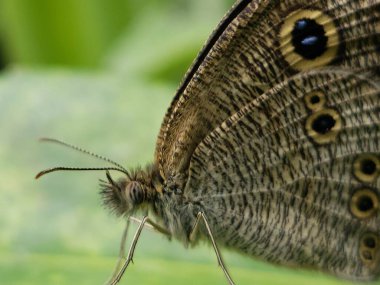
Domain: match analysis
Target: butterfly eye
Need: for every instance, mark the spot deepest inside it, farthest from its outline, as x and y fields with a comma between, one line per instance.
x=364, y=203
x=308, y=39
x=366, y=168
x=135, y=192
x=323, y=126
x=368, y=249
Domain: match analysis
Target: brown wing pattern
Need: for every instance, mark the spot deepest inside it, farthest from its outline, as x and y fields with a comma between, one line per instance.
x=280, y=179
x=249, y=54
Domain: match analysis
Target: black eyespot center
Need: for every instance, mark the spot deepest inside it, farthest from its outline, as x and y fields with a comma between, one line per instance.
x=315, y=99
x=309, y=38
x=365, y=203
x=323, y=123
x=368, y=166
x=370, y=242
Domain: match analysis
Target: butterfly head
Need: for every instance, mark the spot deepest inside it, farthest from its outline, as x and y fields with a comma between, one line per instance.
x=129, y=194
x=133, y=192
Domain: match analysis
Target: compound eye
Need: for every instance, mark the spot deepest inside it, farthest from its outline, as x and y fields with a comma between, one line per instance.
x=135, y=192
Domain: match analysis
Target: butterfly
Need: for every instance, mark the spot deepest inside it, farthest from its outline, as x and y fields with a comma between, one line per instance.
x=271, y=145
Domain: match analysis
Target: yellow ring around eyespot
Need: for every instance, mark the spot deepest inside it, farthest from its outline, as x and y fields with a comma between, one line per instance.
x=363, y=177
x=287, y=49
x=331, y=135
x=355, y=199
x=315, y=106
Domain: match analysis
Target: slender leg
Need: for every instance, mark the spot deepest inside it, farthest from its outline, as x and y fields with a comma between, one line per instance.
x=131, y=251
x=201, y=216
x=117, y=273
x=121, y=253
x=153, y=226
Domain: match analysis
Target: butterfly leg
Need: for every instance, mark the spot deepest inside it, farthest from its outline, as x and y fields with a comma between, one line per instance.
x=131, y=251
x=201, y=217
x=153, y=226
x=121, y=253
x=117, y=274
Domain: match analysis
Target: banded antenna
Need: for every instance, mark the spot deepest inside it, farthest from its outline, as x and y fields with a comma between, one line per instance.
x=118, y=167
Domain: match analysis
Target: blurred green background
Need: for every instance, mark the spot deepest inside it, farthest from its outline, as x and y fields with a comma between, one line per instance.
x=99, y=74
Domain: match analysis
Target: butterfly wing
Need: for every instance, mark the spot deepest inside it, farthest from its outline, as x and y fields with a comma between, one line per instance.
x=293, y=177
x=259, y=44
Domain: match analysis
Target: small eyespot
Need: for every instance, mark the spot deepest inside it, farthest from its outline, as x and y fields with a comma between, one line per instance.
x=308, y=39
x=323, y=126
x=366, y=168
x=364, y=203
x=369, y=248
x=315, y=100
x=370, y=242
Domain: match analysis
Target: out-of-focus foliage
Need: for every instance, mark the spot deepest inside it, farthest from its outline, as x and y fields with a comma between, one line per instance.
x=66, y=32
x=79, y=32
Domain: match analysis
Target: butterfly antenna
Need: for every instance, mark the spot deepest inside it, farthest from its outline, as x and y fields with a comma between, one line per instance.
x=62, y=168
x=82, y=151
x=118, y=167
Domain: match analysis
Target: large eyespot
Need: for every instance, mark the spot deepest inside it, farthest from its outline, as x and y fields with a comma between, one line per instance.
x=366, y=168
x=308, y=39
x=369, y=249
x=323, y=126
x=364, y=203
x=315, y=100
